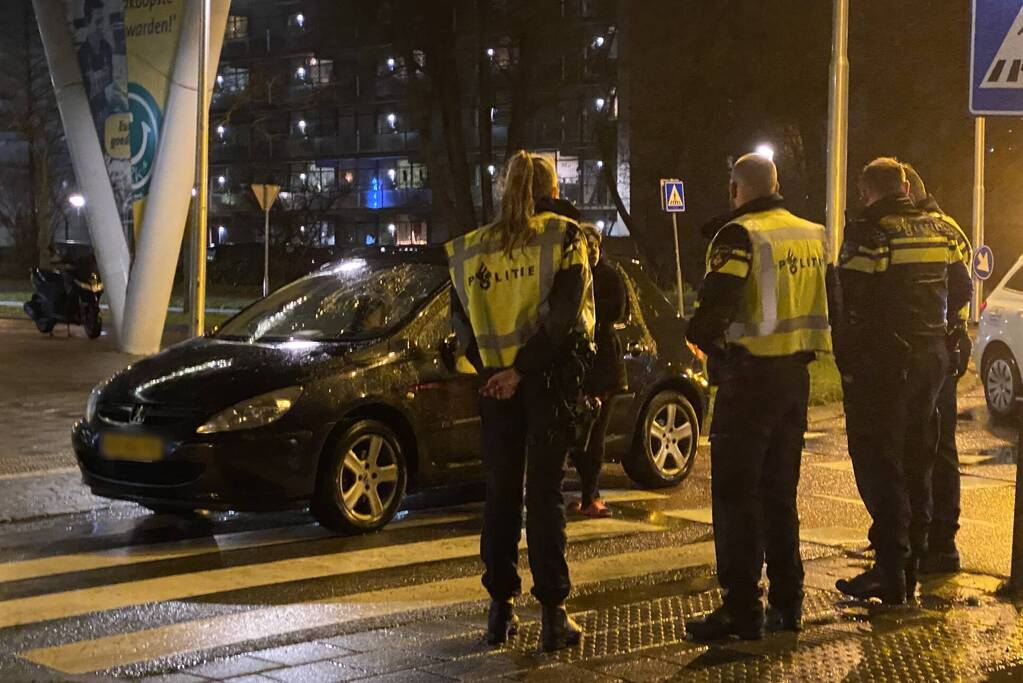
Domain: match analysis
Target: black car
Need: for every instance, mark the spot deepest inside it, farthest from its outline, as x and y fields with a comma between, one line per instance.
x=340, y=391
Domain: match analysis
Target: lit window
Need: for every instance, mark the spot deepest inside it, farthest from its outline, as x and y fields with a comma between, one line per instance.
x=493, y=114
x=222, y=233
x=233, y=79
x=237, y=28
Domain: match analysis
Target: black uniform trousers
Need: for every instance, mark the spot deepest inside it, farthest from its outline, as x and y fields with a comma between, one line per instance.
x=524, y=443
x=945, y=478
x=892, y=426
x=756, y=448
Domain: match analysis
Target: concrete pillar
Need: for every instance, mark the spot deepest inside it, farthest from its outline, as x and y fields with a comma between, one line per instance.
x=163, y=225
x=101, y=213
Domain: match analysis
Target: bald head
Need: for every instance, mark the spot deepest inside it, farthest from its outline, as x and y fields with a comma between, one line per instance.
x=917, y=189
x=753, y=176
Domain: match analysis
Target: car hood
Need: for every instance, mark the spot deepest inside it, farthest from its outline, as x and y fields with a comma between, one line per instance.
x=211, y=374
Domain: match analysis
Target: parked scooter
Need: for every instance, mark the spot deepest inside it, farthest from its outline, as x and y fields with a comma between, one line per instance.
x=70, y=295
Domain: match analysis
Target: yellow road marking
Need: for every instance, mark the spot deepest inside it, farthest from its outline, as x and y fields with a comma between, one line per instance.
x=203, y=634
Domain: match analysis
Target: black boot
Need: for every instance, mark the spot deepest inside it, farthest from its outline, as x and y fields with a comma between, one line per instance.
x=501, y=622
x=558, y=630
x=941, y=559
x=720, y=624
x=785, y=618
x=888, y=585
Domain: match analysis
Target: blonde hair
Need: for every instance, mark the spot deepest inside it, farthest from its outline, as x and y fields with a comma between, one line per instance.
x=527, y=179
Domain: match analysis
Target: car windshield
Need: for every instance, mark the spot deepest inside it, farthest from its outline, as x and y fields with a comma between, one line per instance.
x=354, y=300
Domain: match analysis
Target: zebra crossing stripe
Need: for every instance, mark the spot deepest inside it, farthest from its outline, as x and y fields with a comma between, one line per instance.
x=204, y=634
x=29, y=610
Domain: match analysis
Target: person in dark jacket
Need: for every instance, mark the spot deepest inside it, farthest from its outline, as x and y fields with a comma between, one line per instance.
x=901, y=272
x=942, y=554
x=607, y=376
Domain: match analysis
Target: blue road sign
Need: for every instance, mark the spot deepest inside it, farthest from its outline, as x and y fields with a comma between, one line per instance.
x=983, y=263
x=996, y=61
x=673, y=195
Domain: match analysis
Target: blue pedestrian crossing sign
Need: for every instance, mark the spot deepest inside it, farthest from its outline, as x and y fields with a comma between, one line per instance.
x=673, y=195
x=983, y=263
x=996, y=60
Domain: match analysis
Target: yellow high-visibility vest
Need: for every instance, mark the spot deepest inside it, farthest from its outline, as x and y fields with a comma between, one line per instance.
x=506, y=296
x=785, y=304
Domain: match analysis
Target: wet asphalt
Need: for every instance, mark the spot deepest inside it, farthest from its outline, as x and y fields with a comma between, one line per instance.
x=92, y=589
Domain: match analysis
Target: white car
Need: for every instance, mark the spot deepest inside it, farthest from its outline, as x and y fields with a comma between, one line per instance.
x=999, y=343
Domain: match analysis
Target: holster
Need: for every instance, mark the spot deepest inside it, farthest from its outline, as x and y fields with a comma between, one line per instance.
x=565, y=379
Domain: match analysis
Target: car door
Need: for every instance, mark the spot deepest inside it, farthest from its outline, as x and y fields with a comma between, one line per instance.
x=445, y=399
x=1002, y=317
x=640, y=355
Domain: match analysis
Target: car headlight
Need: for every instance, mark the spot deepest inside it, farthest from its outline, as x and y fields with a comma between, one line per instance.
x=253, y=412
x=90, y=405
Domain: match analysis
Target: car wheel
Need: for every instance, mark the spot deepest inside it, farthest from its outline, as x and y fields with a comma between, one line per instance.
x=1001, y=384
x=362, y=478
x=665, y=444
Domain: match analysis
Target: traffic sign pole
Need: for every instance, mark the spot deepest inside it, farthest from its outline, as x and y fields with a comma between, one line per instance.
x=678, y=268
x=979, y=145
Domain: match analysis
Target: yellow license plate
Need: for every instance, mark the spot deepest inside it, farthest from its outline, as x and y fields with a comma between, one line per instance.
x=138, y=447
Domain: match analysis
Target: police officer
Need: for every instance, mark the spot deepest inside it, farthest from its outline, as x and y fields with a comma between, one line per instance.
x=762, y=317
x=524, y=310
x=942, y=555
x=900, y=272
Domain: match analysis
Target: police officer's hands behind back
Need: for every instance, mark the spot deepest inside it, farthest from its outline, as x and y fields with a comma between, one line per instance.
x=503, y=385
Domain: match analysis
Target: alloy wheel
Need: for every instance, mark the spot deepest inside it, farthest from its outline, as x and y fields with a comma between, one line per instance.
x=368, y=478
x=1000, y=385
x=671, y=435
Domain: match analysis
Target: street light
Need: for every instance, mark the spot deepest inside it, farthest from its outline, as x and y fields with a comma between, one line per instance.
x=392, y=120
x=491, y=169
x=599, y=102
x=765, y=150
x=76, y=200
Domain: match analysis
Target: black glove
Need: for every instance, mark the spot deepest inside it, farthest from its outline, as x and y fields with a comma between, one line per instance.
x=960, y=346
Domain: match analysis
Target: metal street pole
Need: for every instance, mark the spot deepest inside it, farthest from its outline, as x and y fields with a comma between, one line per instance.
x=678, y=268
x=197, y=267
x=266, y=251
x=979, y=145
x=838, y=127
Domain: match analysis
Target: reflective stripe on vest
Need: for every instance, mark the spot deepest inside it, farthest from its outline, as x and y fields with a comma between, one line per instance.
x=505, y=296
x=965, y=253
x=784, y=309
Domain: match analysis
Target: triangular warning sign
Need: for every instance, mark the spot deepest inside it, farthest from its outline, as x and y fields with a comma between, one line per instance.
x=675, y=199
x=1006, y=70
